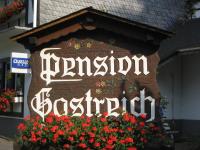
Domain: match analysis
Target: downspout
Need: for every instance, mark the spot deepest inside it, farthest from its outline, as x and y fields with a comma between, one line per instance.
x=35, y=13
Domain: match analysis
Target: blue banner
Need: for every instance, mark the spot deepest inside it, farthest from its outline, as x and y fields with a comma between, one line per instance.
x=20, y=63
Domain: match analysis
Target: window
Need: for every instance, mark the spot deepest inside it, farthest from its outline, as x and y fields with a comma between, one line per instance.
x=196, y=10
x=12, y=81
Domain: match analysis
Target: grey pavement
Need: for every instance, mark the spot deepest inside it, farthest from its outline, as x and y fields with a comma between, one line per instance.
x=6, y=144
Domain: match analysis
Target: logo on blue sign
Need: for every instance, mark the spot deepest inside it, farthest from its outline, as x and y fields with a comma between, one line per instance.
x=20, y=63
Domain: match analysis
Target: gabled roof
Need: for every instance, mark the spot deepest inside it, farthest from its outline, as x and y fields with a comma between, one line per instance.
x=84, y=17
x=159, y=13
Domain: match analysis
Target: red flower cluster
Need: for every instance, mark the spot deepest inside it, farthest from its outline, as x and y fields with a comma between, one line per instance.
x=6, y=97
x=15, y=7
x=124, y=132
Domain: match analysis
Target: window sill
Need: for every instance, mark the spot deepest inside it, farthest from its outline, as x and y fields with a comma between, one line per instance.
x=11, y=117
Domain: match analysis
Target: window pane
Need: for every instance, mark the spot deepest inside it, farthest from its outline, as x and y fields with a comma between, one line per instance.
x=19, y=83
x=196, y=14
x=17, y=107
x=10, y=78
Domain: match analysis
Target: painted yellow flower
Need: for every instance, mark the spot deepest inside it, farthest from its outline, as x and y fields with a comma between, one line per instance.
x=98, y=91
x=103, y=83
x=89, y=45
x=77, y=46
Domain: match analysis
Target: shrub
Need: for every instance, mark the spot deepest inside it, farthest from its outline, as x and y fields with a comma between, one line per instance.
x=124, y=132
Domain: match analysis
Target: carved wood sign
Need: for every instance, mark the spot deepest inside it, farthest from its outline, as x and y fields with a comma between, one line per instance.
x=86, y=76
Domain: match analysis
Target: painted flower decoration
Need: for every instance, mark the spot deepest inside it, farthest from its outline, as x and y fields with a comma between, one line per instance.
x=89, y=45
x=77, y=46
x=98, y=91
x=98, y=84
x=103, y=83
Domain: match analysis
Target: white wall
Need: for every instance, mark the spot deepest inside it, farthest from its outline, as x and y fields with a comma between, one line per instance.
x=185, y=69
x=169, y=80
x=191, y=86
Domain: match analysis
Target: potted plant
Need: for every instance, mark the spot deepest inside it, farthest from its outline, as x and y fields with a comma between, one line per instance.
x=8, y=11
x=6, y=97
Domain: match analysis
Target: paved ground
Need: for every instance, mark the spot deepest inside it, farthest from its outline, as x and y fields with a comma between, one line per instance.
x=6, y=144
x=187, y=146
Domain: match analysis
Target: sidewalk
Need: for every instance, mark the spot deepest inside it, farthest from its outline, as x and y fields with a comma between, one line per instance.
x=186, y=146
x=5, y=144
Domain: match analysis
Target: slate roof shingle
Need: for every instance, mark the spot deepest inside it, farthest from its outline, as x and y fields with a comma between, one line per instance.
x=158, y=13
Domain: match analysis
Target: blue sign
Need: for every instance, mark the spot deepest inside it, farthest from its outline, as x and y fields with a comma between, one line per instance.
x=20, y=63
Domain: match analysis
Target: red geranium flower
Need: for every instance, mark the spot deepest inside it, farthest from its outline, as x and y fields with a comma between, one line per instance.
x=103, y=119
x=103, y=139
x=44, y=141
x=71, y=138
x=94, y=128
x=66, y=146
x=81, y=138
x=109, y=146
x=106, y=129
x=85, y=125
x=54, y=128
x=49, y=120
x=33, y=137
x=55, y=138
x=142, y=124
x=105, y=114
x=27, y=117
x=143, y=132
x=39, y=132
x=97, y=144
x=60, y=132
x=91, y=140
x=92, y=135
x=131, y=148
x=88, y=120
x=129, y=129
x=133, y=120
x=113, y=138
x=110, y=142
x=122, y=141
x=143, y=140
x=24, y=138
x=143, y=116
x=82, y=145
x=129, y=140
x=126, y=117
x=21, y=127
x=74, y=132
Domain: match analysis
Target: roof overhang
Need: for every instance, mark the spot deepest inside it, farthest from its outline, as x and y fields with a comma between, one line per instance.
x=91, y=19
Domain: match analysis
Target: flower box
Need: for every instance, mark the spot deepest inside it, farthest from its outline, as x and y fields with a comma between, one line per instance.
x=18, y=99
